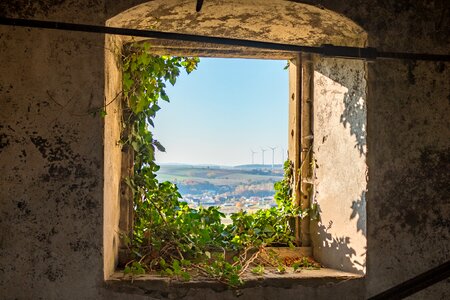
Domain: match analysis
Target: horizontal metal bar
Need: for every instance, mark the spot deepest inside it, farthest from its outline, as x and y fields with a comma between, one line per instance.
x=155, y=34
x=416, y=284
x=325, y=50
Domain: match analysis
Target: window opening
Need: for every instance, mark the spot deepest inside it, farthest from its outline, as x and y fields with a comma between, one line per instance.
x=225, y=134
x=172, y=237
x=336, y=238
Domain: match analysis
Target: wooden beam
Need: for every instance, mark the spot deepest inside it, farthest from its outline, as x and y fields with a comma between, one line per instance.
x=294, y=144
x=307, y=138
x=126, y=220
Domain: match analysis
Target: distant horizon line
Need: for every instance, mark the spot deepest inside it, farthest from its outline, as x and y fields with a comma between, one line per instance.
x=213, y=164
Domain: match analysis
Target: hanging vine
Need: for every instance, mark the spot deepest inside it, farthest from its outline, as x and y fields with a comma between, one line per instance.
x=168, y=235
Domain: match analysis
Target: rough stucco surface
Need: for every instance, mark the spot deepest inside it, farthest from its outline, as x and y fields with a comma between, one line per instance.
x=340, y=159
x=112, y=154
x=280, y=21
x=309, y=289
x=51, y=159
x=51, y=152
x=408, y=171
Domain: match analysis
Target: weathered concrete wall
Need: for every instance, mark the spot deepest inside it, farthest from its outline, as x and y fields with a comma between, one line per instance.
x=112, y=154
x=408, y=144
x=408, y=205
x=51, y=161
x=51, y=149
x=340, y=164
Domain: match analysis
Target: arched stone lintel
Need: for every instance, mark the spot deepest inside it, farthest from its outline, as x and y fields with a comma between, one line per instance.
x=277, y=21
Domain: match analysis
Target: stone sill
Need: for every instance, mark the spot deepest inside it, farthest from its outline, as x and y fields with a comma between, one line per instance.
x=154, y=283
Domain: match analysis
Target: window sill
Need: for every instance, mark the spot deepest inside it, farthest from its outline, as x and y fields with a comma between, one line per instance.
x=157, y=285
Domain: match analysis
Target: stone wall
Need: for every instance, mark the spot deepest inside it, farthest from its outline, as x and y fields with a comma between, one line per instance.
x=52, y=167
x=51, y=161
x=408, y=205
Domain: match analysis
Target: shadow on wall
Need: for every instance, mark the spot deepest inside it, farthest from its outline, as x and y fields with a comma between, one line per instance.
x=333, y=247
x=354, y=115
x=359, y=210
x=340, y=148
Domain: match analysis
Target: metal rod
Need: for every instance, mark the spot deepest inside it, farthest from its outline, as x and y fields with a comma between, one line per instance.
x=416, y=284
x=325, y=50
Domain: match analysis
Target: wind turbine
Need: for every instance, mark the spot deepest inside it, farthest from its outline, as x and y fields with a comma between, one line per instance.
x=253, y=156
x=273, y=154
x=262, y=152
x=282, y=156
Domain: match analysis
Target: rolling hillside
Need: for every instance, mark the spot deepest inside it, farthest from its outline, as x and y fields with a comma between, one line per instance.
x=244, y=180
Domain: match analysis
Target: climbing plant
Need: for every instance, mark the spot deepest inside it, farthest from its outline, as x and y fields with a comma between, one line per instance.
x=168, y=235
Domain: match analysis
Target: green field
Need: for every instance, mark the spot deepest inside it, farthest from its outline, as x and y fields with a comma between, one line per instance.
x=247, y=181
x=218, y=175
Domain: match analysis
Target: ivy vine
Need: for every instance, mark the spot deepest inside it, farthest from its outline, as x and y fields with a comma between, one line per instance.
x=168, y=235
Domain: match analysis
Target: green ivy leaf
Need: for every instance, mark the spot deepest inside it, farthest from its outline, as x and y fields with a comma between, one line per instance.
x=185, y=276
x=127, y=270
x=159, y=146
x=176, y=266
x=135, y=146
x=185, y=263
x=162, y=263
x=127, y=81
x=168, y=272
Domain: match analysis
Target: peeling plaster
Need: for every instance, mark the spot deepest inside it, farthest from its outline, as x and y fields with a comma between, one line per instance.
x=51, y=210
x=277, y=21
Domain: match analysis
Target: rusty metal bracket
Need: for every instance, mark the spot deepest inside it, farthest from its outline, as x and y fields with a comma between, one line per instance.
x=199, y=5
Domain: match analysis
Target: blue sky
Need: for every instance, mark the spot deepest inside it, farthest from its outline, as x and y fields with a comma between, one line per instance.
x=222, y=110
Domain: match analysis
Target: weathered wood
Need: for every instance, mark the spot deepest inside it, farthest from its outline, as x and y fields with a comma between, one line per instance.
x=290, y=252
x=294, y=132
x=126, y=194
x=307, y=138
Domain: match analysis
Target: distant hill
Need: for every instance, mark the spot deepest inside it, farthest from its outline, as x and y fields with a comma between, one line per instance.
x=195, y=172
x=238, y=180
x=249, y=166
x=258, y=166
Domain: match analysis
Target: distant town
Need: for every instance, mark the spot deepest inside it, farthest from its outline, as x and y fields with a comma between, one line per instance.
x=245, y=187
